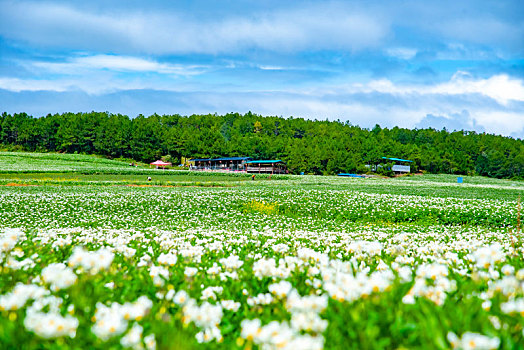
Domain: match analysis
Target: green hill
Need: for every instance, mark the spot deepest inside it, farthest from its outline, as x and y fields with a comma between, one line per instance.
x=307, y=146
x=25, y=162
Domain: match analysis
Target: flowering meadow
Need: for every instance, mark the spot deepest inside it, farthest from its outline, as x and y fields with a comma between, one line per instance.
x=298, y=263
x=16, y=162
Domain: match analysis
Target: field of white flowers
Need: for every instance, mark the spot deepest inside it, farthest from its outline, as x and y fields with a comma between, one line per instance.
x=30, y=162
x=303, y=263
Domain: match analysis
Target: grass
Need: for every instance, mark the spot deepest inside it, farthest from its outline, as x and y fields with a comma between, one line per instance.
x=26, y=162
x=117, y=179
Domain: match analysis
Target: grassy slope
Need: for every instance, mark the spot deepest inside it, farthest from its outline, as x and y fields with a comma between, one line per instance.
x=54, y=162
x=73, y=169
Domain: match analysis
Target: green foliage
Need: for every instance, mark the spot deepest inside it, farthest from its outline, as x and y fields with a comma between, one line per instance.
x=311, y=147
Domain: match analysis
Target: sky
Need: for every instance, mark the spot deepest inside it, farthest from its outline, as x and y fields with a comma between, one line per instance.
x=457, y=65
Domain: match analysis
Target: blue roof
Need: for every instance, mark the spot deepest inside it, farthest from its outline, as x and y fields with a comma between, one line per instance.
x=217, y=159
x=350, y=175
x=265, y=161
x=398, y=159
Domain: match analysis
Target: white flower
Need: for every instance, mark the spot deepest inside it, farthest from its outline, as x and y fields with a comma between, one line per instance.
x=370, y=248
x=50, y=325
x=59, y=276
x=25, y=264
x=306, y=342
x=432, y=271
x=232, y=262
x=209, y=292
x=112, y=321
x=260, y=299
x=268, y=268
x=133, y=337
x=507, y=270
x=280, y=289
x=214, y=270
x=20, y=295
x=309, y=303
x=159, y=274
x=167, y=259
x=207, y=317
x=473, y=341
x=513, y=306
x=109, y=325
x=170, y=294
x=91, y=261
x=190, y=271
x=488, y=256
x=209, y=334
x=230, y=305
x=250, y=328
x=150, y=342
x=8, y=239
x=405, y=274
x=308, y=321
x=181, y=297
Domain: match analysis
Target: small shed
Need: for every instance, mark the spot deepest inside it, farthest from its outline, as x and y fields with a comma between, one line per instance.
x=266, y=167
x=401, y=166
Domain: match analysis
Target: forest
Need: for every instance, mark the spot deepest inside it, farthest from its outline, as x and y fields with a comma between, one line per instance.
x=308, y=146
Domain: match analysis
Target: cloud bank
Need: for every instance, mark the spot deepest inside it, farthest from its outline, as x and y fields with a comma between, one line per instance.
x=313, y=27
x=468, y=112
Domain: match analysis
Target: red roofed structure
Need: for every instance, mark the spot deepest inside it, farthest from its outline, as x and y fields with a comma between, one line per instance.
x=160, y=164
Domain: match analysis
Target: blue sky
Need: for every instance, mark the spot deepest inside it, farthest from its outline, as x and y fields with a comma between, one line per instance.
x=453, y=64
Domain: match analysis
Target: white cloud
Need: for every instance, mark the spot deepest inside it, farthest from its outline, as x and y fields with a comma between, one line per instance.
x=271, y=67
x=17, y=85
x=115, y=63
x=366, y=113
x=363, y=114
x=97, y=84
x=509, y=123
x=494, y=104
x=326, y=26
x=501, y=88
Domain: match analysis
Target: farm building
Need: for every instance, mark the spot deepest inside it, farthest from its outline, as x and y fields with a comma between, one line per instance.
x=401, y=166
x=244, y=164
x=266, y=167
x=219, y=164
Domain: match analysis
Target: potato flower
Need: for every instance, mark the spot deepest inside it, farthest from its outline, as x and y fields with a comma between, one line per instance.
x=59, y=276
x=470, y=341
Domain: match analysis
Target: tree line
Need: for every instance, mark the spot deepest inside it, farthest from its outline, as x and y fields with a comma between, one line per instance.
x=309, y=146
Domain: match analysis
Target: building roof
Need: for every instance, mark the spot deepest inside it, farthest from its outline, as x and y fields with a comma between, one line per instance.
x=160, y=163
x=218, y=159
x=264, y=161
x=398, y=159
